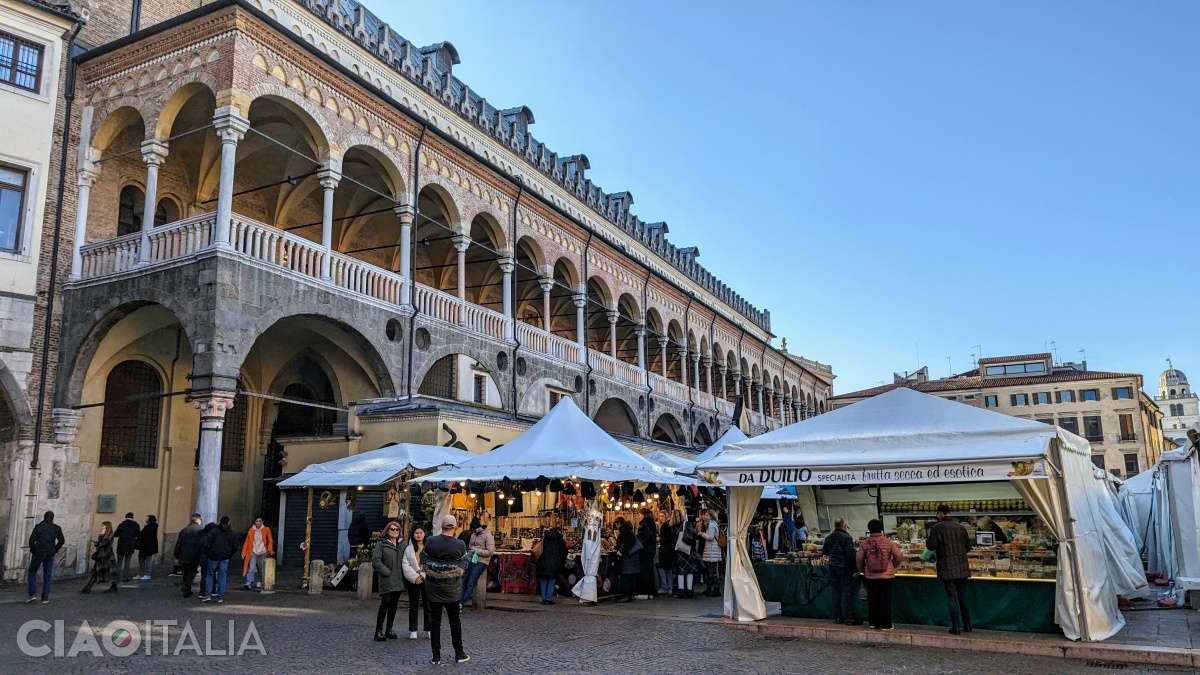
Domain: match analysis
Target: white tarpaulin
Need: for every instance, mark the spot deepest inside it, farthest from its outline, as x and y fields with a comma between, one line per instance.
x=376, y=467
x=928, y=439
x=743, y=597
x=593, y=521
x=1163, y=502
x=562, y=444
x=674, y=462
x=734, y=435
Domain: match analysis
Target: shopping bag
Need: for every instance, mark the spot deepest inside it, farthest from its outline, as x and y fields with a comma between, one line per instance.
x=929, y=555
x=862, y=592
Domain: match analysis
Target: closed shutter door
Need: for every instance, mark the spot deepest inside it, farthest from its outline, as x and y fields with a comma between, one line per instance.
x=324, y=530
x=370, y=504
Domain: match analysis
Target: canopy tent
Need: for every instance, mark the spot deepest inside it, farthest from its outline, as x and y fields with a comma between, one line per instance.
x=734, y=435
x=376, y=467
x=674, y=462
x=906, y=437
x=1164, y=503
x=562, y=444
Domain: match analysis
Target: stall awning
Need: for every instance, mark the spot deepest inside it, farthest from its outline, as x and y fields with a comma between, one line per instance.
x=564, y=443
x=899, y=437
x=734, y=435
x=674, y=462
x=376, y=467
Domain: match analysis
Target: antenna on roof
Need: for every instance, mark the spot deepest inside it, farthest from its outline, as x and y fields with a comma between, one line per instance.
x=950, y=365
x=1054, y=348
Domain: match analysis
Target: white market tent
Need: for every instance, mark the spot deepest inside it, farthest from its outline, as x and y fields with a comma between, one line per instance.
x=734, y=435
x=906, y=437
x=673, y=462
x=376, y=467
x=1164, y=505
x=562, y=444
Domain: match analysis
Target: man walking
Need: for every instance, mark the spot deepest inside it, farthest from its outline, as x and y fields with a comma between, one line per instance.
x=127, y=537
x=441, y=566
x=255, y=549
x=187, y=552
x=480, y=547
x=44, y=543
x=220, y=545
x=950, y=541
x=839, y=546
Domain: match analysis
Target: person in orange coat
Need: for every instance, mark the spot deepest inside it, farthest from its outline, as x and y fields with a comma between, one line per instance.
x=258, y=545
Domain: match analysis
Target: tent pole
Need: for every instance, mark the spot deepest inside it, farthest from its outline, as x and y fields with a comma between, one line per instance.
x=1080, y=591
x=307, y=539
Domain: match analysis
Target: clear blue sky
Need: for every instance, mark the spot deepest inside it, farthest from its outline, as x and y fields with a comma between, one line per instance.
x=884, y=175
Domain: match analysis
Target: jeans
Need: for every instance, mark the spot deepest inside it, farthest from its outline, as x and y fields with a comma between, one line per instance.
x=189, y=575
x=417, y=600
x=665, y=577
x=842, y=580
x=470, y=580
x=217, y=569
x=546, y=586
x=387, y=610
x=956, y=596
x=879, y=603
x=47, y=564
x=435, y=634
x=123, y=567
x=145, y=564
x=256, y=565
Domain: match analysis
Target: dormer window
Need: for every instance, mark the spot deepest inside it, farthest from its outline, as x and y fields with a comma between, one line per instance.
x=1035, y=367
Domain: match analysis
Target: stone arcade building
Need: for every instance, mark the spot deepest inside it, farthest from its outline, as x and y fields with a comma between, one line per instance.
x=299, y=236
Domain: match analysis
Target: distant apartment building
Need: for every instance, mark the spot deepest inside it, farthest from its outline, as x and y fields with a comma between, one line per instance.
x=1123, y=425
x=1179, y=404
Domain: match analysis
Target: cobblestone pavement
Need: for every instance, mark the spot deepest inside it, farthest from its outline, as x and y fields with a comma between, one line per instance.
x=332, y=633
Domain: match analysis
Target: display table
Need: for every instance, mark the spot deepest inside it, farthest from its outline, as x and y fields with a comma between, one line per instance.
x=996, y=604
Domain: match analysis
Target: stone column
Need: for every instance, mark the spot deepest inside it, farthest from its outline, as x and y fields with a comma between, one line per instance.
x=547, y=285
x=507, y=266
x=662, y=349
x=461, y=243
x=683, y=364
x=613, y=316
x=87, y=176
x=329, y=181
x=695, y=369
x=640, y=331
x=737, y=383
x=231, y=127
x=154, y=153
x=721, y=370
x=758, y=390
x=212, y=408
x=580, y=300
x=406, y=214
x=707, y=364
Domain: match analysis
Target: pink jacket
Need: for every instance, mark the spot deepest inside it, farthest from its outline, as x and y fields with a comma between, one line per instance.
x=891, y=555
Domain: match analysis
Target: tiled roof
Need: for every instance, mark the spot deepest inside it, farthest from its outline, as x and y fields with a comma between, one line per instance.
x=1010, y=359
x=979, y=383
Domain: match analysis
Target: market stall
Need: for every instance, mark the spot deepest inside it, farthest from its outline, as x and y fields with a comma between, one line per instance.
x=564, y=472
x=907, y=439
x=1164, y=504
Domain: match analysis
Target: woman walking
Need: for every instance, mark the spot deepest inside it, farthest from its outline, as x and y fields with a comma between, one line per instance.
x=103, y=561
x=877, y=559
x=387, y=560
x=709, y=532
x=147, y=548
x=550, y=563
x=629, y=548
x=686, y=563
x=414, y=581
x=667, y=536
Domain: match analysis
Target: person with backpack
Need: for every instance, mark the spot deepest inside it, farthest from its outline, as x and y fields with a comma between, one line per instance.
x=839, y=547
x=950, y=541
x=877, y=559
x=686, y=564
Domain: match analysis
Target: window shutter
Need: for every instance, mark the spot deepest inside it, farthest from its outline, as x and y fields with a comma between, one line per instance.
x=1012, y=399
x=1114, y=393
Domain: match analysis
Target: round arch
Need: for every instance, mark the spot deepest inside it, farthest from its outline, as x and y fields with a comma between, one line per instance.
x=113, y=124
x=667, y=429
x=616, y=417
x=196, y=83
x=702, y=435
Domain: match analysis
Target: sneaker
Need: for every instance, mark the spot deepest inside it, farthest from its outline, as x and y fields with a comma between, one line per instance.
x=204, y=598
x=889, y=628
x=412, y=635
x=246, y=586
x=32, y=598
x=46, y=601
x=462, y=658
x=220, y=600
x=258, y=584
x=435, y=662
x=428, y=635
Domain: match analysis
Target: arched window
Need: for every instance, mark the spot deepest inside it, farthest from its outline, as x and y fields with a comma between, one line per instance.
x=167, y=211
x=131, y=415
x=129, y=212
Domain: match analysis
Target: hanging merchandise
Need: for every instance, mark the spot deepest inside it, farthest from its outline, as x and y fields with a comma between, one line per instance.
x=391, y=504
x=556, y=485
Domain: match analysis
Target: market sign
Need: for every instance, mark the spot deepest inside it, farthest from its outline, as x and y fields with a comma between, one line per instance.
x=932, y=472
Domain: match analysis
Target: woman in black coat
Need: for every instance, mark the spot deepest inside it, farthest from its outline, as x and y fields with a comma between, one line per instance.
x=667, y=535
x=648, y=535
x=631, y=564
x=550, y=563
x=147, y=548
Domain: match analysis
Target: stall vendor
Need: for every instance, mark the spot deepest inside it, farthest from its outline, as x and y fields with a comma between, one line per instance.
x=986, y=524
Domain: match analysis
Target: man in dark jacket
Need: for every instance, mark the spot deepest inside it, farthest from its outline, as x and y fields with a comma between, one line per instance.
x=442, y=567
x=126, y=536
x=950, y=541
x=839, y=546
x=219, y=546
x=187, y=552
x=44, y=543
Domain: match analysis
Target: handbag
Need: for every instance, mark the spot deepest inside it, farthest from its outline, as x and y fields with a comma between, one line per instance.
x=723, y=538
x=862, y=593
x=537, y=551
